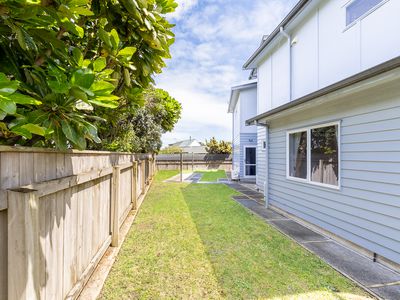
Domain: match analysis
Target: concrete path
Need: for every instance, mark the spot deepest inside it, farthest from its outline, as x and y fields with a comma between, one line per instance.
x=374, y=277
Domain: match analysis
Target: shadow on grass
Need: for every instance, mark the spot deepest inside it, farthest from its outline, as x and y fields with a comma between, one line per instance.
x=252, y=260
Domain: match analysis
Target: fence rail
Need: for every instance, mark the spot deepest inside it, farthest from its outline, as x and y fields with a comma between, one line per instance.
x=194, y=161
x=59, y=212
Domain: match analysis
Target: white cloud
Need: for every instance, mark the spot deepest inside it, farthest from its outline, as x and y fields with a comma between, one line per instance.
x=213, y=40
x=183, y=7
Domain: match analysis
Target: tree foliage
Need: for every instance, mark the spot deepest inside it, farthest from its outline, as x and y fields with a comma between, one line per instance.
x=138, y=125
x=64, y=61
x=218, y=147
x=171, y=150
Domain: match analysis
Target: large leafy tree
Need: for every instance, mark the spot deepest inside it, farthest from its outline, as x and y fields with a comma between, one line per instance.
x=64, y=61
x=138, y=125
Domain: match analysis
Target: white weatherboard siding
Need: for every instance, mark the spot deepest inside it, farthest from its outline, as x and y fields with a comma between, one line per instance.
x=261, y=157
x=248, y=109
x=366, y=208
x=325, y=51
x=236, y=142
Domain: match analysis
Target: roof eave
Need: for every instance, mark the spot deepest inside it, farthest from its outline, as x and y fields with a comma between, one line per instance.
x=357, y=78
x=250, y=63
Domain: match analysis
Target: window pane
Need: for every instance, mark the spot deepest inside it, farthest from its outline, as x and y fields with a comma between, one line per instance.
x=251, y=156
x=298, y=154
x=250, y=170
x=324, y=155
x=358, y=8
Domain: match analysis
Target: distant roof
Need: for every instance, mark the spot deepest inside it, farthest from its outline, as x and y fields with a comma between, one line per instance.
x=186, y=143
x=235, y=90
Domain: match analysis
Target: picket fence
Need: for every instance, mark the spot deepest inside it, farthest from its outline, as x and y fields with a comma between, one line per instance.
x=59, y=213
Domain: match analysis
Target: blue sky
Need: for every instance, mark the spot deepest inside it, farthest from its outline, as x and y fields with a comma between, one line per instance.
x=213, y=40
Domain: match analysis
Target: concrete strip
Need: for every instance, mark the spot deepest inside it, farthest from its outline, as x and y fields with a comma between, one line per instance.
x=388, y=292
x=298, y=232
x=375, y=278
x=355, y=265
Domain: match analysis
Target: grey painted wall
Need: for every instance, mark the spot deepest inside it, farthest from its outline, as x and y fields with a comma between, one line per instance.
x=366, y=209
x=261, y=157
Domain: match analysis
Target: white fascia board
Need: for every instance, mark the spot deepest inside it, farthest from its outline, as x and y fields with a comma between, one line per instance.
x=235, y=92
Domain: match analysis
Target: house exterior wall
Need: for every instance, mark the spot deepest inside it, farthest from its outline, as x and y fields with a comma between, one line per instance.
x=366, y=208
x=250, y=140
x=261, y=158
x=236, y=142
x=324, y=50
x=246, y=107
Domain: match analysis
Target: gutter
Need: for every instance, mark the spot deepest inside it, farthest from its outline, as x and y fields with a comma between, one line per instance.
x=292, y=14
x=372, y=72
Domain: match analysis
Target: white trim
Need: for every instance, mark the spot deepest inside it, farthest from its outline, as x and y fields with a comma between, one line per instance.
x=360, y=18
x=308, y=130
x=244, y=160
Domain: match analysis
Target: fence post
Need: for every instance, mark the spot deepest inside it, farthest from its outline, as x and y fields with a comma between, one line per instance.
x=115, y=195
x=143, y=171
x=23, y=244
x=134, y=185
x=181, y=165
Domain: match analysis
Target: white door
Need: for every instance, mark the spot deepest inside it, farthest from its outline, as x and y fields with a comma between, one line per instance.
x=250, y=161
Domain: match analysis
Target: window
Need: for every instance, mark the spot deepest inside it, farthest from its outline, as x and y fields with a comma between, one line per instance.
x=358, y=8
x=298, y=154
x=313, y=155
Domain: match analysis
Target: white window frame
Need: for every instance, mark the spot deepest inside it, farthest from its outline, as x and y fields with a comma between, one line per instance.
x=244, y=161
x=308, y=179
x=347, y=26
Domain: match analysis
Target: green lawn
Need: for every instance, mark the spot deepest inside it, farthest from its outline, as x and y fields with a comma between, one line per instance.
x=212, y=175
x=191, y=241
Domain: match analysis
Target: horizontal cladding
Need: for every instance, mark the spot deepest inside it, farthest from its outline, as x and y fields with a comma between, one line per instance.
x=261, y=158
x=366, y=209
x=246, y=139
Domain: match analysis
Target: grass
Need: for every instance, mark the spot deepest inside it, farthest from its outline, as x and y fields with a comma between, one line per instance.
x=212, y=175
x=191, y=241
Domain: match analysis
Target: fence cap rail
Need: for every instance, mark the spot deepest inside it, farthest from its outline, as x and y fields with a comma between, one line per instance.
x=71, y=151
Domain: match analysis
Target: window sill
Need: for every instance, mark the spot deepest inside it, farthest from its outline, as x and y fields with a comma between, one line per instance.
x=312, y=183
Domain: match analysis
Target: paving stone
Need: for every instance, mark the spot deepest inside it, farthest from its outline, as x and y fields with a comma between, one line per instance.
x=359, y=267
x=298, y=231
x=388, y=292
x=260, y=210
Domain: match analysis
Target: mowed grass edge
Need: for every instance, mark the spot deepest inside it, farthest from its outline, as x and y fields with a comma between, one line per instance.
x=192, y=241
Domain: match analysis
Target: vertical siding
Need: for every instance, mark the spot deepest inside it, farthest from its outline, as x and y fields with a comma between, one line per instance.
x=246, y=139
x=366, y=209
x=261, y=157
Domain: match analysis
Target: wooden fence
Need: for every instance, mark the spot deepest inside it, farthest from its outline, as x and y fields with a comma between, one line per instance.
x=59, y=212
x=194, y=161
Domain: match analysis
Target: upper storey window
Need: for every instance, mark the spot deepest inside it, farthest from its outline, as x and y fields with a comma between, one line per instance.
x=358, y=8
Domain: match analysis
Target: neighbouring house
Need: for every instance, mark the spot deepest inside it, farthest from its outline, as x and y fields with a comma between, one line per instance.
x=328, y=110
x=190, y=146
x=242, y=106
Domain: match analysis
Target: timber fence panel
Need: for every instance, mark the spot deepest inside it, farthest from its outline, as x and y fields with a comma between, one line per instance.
x=194, y=161
x=59, y=212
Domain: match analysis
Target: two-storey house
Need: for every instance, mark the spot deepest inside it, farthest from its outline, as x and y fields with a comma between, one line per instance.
x=328, y=110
